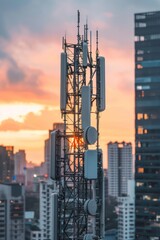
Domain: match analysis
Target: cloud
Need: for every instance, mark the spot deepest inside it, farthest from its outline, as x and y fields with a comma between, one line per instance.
x=22, y=83
x=38, y=17
x=26, y=86
x=51, y=18
x=41, y=121
x=15, y=75
x=10, y=124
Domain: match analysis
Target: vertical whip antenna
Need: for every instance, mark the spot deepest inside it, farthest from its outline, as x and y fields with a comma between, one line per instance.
x=97, y=50
x=86, y=29
x=90, y=44
x=63, y=43
x=78, y=25
x=85, y=34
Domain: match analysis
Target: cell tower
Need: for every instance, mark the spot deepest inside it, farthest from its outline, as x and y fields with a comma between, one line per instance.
x=76, y=159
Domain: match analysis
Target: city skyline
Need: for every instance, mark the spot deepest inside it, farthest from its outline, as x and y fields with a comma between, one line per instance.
x=30, y=50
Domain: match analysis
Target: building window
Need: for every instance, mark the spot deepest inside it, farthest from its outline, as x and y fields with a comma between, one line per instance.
x=140, y=130
x=139, y=116
x=143, y=87
x=140, y=16
x=140, y=170
x=141, y=24
x=139, y=184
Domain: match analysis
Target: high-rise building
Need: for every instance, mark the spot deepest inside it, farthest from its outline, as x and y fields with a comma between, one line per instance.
x=120, y=168
x=20, y=166
x=147, y=125
x=47, y=147
x=12, y=212
x=19, y=162
x=46, y=210
x=6, y=163
x=126, y=214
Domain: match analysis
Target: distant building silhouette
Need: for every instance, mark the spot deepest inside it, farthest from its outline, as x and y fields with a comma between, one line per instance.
x=47, y=147
x=6, y=163
x=120, y=168
x=20, y=166
x=12, y=207
x=147, y=125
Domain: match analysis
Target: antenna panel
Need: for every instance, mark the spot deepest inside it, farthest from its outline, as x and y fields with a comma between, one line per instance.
x=85, y=53
x=90, y=164
x=101, y=85
x=63, y=81
x=86, y=106
x=55, y=154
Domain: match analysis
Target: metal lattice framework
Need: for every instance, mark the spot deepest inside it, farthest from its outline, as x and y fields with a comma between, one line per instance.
x=74, y=188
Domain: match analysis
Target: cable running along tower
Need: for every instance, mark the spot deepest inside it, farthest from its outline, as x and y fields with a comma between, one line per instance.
x=76, y=159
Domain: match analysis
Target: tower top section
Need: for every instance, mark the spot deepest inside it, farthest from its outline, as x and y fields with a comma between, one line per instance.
x=86, y=36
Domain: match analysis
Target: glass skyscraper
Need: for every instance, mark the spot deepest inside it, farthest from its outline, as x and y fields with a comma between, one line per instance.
x=147, y=124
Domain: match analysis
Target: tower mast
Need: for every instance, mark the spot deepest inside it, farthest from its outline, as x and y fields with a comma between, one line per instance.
x=76, y=161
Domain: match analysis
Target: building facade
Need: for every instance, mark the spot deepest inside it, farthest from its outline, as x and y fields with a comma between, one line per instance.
x=106, y=184
x=6, y=164
x=126, y=214
x=20, y=166
x=19, y=162
x=147, y=125
x=46, y=212
x=12, y=207
x=120, y=168
x=47, y=146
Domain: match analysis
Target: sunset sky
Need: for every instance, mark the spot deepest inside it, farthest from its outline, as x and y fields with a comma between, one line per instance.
x=30, y=47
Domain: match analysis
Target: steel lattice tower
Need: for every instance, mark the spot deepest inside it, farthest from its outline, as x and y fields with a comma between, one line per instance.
x=80, y=196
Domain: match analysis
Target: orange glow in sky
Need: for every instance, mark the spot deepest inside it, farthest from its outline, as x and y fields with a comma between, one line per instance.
x=30, y=47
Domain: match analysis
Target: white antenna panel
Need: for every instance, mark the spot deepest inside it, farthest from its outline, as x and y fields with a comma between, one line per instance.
x=63, y=81
x=102, y=95
x=86, y=106
x=90, y=164
x=85, y=53
x=53, y=155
